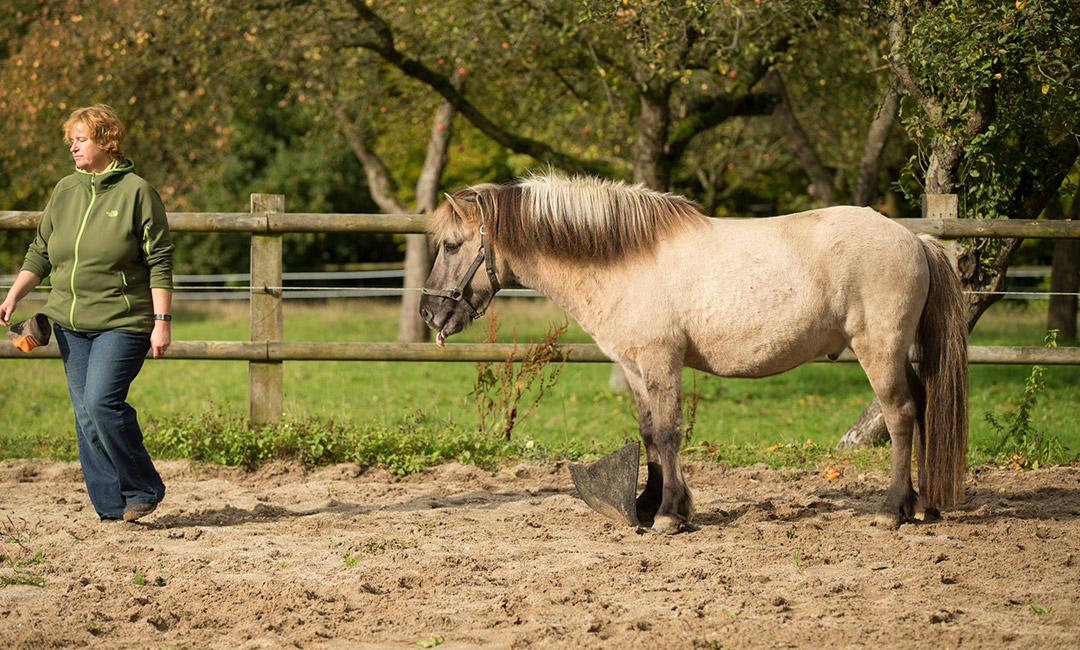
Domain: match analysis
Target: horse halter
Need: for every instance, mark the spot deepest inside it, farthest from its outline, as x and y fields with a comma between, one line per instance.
x=487, y=258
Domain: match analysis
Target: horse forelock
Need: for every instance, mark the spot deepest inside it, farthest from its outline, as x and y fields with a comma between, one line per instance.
x=449, y=219
x=593, y=218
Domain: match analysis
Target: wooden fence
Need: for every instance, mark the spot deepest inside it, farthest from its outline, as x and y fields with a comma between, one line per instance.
x=265, y=352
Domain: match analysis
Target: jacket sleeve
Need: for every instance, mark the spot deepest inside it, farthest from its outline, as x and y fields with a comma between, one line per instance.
x=157, y=247
x=37, y=255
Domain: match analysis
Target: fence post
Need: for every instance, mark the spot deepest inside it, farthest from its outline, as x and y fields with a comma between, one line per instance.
x=943, y=206
x=265, y=377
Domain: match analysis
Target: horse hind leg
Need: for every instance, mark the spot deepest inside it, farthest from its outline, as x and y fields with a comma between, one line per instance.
x=648, y=503
x=652, y=496
x=891, y=380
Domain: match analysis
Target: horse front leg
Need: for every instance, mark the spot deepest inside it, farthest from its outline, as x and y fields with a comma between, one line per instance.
x=648, y=503
x=666, y=500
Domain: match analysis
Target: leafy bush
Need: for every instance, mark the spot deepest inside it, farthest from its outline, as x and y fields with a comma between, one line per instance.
x=414, y=445
x=1019, y=444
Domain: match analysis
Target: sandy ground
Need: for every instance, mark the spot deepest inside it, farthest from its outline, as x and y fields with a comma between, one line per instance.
x=461, y=558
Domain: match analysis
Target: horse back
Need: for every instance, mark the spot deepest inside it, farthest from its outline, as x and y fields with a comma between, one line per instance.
x=766, y=295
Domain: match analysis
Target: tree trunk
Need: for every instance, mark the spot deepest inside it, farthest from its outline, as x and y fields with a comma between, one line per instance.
x=650, y=150
x=868, y=430
x=874, y=148
x=1064, y=279
x=379, y=183
x=798, y=143
x=418, y=258
x=941, y=178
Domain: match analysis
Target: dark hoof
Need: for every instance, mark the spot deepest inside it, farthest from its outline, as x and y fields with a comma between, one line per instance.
x=931, y=514
x=888, y=520
x=672, y=526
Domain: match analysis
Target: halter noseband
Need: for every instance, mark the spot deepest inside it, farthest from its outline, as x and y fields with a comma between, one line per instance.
x=483, y=255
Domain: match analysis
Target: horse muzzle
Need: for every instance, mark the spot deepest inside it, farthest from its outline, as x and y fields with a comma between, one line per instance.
x=447, y=315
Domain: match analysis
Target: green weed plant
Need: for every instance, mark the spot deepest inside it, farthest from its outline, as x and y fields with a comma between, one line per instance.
x=16, y=557
x=416, y=444
x=1019, y=443
x=500, y=387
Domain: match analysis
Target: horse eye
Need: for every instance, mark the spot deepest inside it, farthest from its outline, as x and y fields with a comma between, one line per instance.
x=451, y=247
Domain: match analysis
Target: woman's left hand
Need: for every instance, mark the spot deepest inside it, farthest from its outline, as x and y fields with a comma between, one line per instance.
x=160, y=338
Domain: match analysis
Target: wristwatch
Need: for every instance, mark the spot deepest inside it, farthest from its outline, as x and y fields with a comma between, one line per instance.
x=162, y=316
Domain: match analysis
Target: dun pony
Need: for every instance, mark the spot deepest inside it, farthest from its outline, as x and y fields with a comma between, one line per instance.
x=660, y=287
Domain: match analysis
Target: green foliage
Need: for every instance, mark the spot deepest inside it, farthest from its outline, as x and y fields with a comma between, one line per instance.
x=349, y=559
x=414, y=445
x=18, y=564
x=213, y=437
x=139, y=580
x=807, y=455
x=1019, y=443
x=1019, y=58
x=16, y=556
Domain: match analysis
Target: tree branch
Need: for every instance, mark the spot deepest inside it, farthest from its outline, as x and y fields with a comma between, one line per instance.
x=383, y=45
x=798, y=142
x=379, y=183
x=877, y=136
x=946, y=155
x=723, y=107
x=929, y=104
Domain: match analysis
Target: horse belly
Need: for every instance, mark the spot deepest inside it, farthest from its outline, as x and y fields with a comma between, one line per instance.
x=758, y=328
x=760, y=356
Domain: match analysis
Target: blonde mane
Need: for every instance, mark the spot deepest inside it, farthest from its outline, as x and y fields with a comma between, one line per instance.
x=579, y=217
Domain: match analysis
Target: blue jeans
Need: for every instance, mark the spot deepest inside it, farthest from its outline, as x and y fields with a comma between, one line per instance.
x=100, y=367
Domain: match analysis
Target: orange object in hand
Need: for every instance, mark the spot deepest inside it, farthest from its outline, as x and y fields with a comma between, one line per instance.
x=30, y=333
x=25, y=343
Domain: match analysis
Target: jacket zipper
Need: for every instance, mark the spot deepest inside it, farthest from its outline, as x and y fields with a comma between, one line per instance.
x=123, y=291
x=78, y=238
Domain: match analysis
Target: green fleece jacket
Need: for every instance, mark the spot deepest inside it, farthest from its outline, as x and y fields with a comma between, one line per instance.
x=104, y=239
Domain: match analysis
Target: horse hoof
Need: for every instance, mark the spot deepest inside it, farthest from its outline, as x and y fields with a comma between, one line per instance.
x=931, y=514
x=888, y=520
x=671, y=526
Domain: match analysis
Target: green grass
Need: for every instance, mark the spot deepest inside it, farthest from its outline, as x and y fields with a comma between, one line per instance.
x=356, y=410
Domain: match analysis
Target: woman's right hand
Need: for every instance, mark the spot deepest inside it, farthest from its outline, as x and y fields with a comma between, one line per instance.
x=7, y=308
x=24, y=283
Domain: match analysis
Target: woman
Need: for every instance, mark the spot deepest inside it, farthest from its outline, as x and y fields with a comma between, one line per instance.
x=104, y=239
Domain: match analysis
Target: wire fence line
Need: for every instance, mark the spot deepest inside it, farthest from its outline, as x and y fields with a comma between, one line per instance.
x=236, y=286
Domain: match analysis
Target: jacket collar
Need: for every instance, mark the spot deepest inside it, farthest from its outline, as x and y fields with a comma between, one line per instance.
x=112, y=174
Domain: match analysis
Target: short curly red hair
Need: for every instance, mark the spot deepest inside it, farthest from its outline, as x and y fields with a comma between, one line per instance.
x=103, y=127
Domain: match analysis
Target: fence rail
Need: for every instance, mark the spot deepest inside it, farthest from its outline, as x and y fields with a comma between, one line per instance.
x=277, y=351
x=298, y=222
x=266, y=350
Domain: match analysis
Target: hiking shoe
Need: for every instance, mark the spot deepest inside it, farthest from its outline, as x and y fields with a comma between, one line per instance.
x=133, y=511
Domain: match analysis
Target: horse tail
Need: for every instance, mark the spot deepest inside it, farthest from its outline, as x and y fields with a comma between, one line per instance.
x=941, y=445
